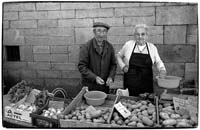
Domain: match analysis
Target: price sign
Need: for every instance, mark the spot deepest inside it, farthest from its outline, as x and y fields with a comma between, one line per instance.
x=122, y=110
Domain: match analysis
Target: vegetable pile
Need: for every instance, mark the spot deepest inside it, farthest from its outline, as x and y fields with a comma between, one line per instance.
x=143, y=114
x=169, y=118
x=24, y=107
x=41, y=99
x=19, y=91
x=89, y=114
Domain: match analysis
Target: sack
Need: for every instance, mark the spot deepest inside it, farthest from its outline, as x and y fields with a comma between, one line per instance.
x=122, y=92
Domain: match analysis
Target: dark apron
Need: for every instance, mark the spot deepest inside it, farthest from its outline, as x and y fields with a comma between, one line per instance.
x=139, y=78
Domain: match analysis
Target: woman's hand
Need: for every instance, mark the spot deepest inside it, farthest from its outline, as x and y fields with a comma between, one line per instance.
x=99, y=80
x=125, y=69
x=109, y=81
x=162, y=74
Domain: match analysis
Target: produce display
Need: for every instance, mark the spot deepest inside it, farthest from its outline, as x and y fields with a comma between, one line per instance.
x=50, y=113
x=19, y=91
x=143, y=114
x=24, y=107
x=169, y=118
x=89, y=114
x=42, y=98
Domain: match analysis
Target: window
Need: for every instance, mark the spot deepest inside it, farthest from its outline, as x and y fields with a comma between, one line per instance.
x=12, y=53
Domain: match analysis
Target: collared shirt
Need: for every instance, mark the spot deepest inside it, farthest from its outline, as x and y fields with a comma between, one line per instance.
x=100, y=47
x=126, y=51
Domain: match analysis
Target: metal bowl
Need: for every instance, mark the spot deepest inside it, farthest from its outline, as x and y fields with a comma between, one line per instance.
x=95, y=98
x=169, y=81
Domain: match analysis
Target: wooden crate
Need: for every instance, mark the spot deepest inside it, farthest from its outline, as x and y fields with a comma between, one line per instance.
x=78, y=101
x=118, y=98
x=53, y=123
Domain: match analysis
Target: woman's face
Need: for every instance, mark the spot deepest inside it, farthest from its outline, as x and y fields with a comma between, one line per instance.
x=140, y=35
x=100, y=33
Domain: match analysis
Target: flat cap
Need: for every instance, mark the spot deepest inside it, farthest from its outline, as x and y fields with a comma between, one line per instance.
x=100, y=24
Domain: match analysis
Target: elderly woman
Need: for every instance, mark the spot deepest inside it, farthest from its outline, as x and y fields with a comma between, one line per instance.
x=136, y=59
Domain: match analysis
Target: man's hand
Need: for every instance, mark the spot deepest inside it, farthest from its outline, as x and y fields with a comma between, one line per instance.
x=125, y=69
x=99, y=80
x=162, y=74
x=109, y=81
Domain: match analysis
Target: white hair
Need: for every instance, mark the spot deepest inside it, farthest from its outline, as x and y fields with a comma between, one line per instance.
x=141, y=26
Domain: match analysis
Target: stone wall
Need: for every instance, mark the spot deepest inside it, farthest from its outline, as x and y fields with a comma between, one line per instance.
x=49, y=35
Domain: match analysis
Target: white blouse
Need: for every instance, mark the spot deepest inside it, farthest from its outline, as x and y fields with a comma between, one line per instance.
x=126, y=51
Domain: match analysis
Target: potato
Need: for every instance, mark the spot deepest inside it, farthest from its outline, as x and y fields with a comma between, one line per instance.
x=66, y=117
x=144, y=102
x=105, y=117
x=183, y=124
x=129, y=105
x=134, y=118
x=116, y=118
x=168, y=109
x=154, y=117
x=98, y=120
x=145, y=113
x=133, y=112
x=133, y=123
x=186, y=116
x=119, y=122
x=95, y=114
x=112, y=122
x=132, y=102
x=160, y=106
x=151, y=105
x=194, y=119
x=139, y=105
x=147, y=121
x=88, y=120
x=140, y=116
x=74, y=118
x=137, y=110
x=175, y=116
x=126, y=121
x=143, y=107
x=134, y=106
x=130, y=109
x=140, y=125
x=167, y=104
x=164, y=115
x=88, y=116
x=115, y=114
x=150, y=110
x=168, y=122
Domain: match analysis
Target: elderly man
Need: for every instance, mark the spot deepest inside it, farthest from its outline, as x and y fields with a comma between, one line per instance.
x=97, y=62
x=136, y=59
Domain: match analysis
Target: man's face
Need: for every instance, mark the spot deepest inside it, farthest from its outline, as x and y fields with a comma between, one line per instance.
x=100, y=33
x=140, y=35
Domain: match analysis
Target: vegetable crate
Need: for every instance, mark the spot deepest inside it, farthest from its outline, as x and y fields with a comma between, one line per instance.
x=182, y=112
x=134, y=112
x=76, y=116
x=13, y=112
x=46, y=122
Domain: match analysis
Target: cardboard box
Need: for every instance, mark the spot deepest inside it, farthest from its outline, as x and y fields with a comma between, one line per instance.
x=17, y=114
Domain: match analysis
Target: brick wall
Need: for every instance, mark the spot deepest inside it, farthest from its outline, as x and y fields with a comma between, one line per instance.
x=49, y=35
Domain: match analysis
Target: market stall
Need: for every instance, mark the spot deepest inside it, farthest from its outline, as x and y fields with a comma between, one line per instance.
x=110, y=111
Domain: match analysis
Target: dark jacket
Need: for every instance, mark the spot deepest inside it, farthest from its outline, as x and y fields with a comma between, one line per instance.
x=92, y=64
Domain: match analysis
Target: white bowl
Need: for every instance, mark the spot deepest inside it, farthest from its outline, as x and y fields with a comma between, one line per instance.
x=169, y=81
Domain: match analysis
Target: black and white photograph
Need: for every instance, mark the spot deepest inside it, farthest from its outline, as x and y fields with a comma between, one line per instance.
x=100, y=64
